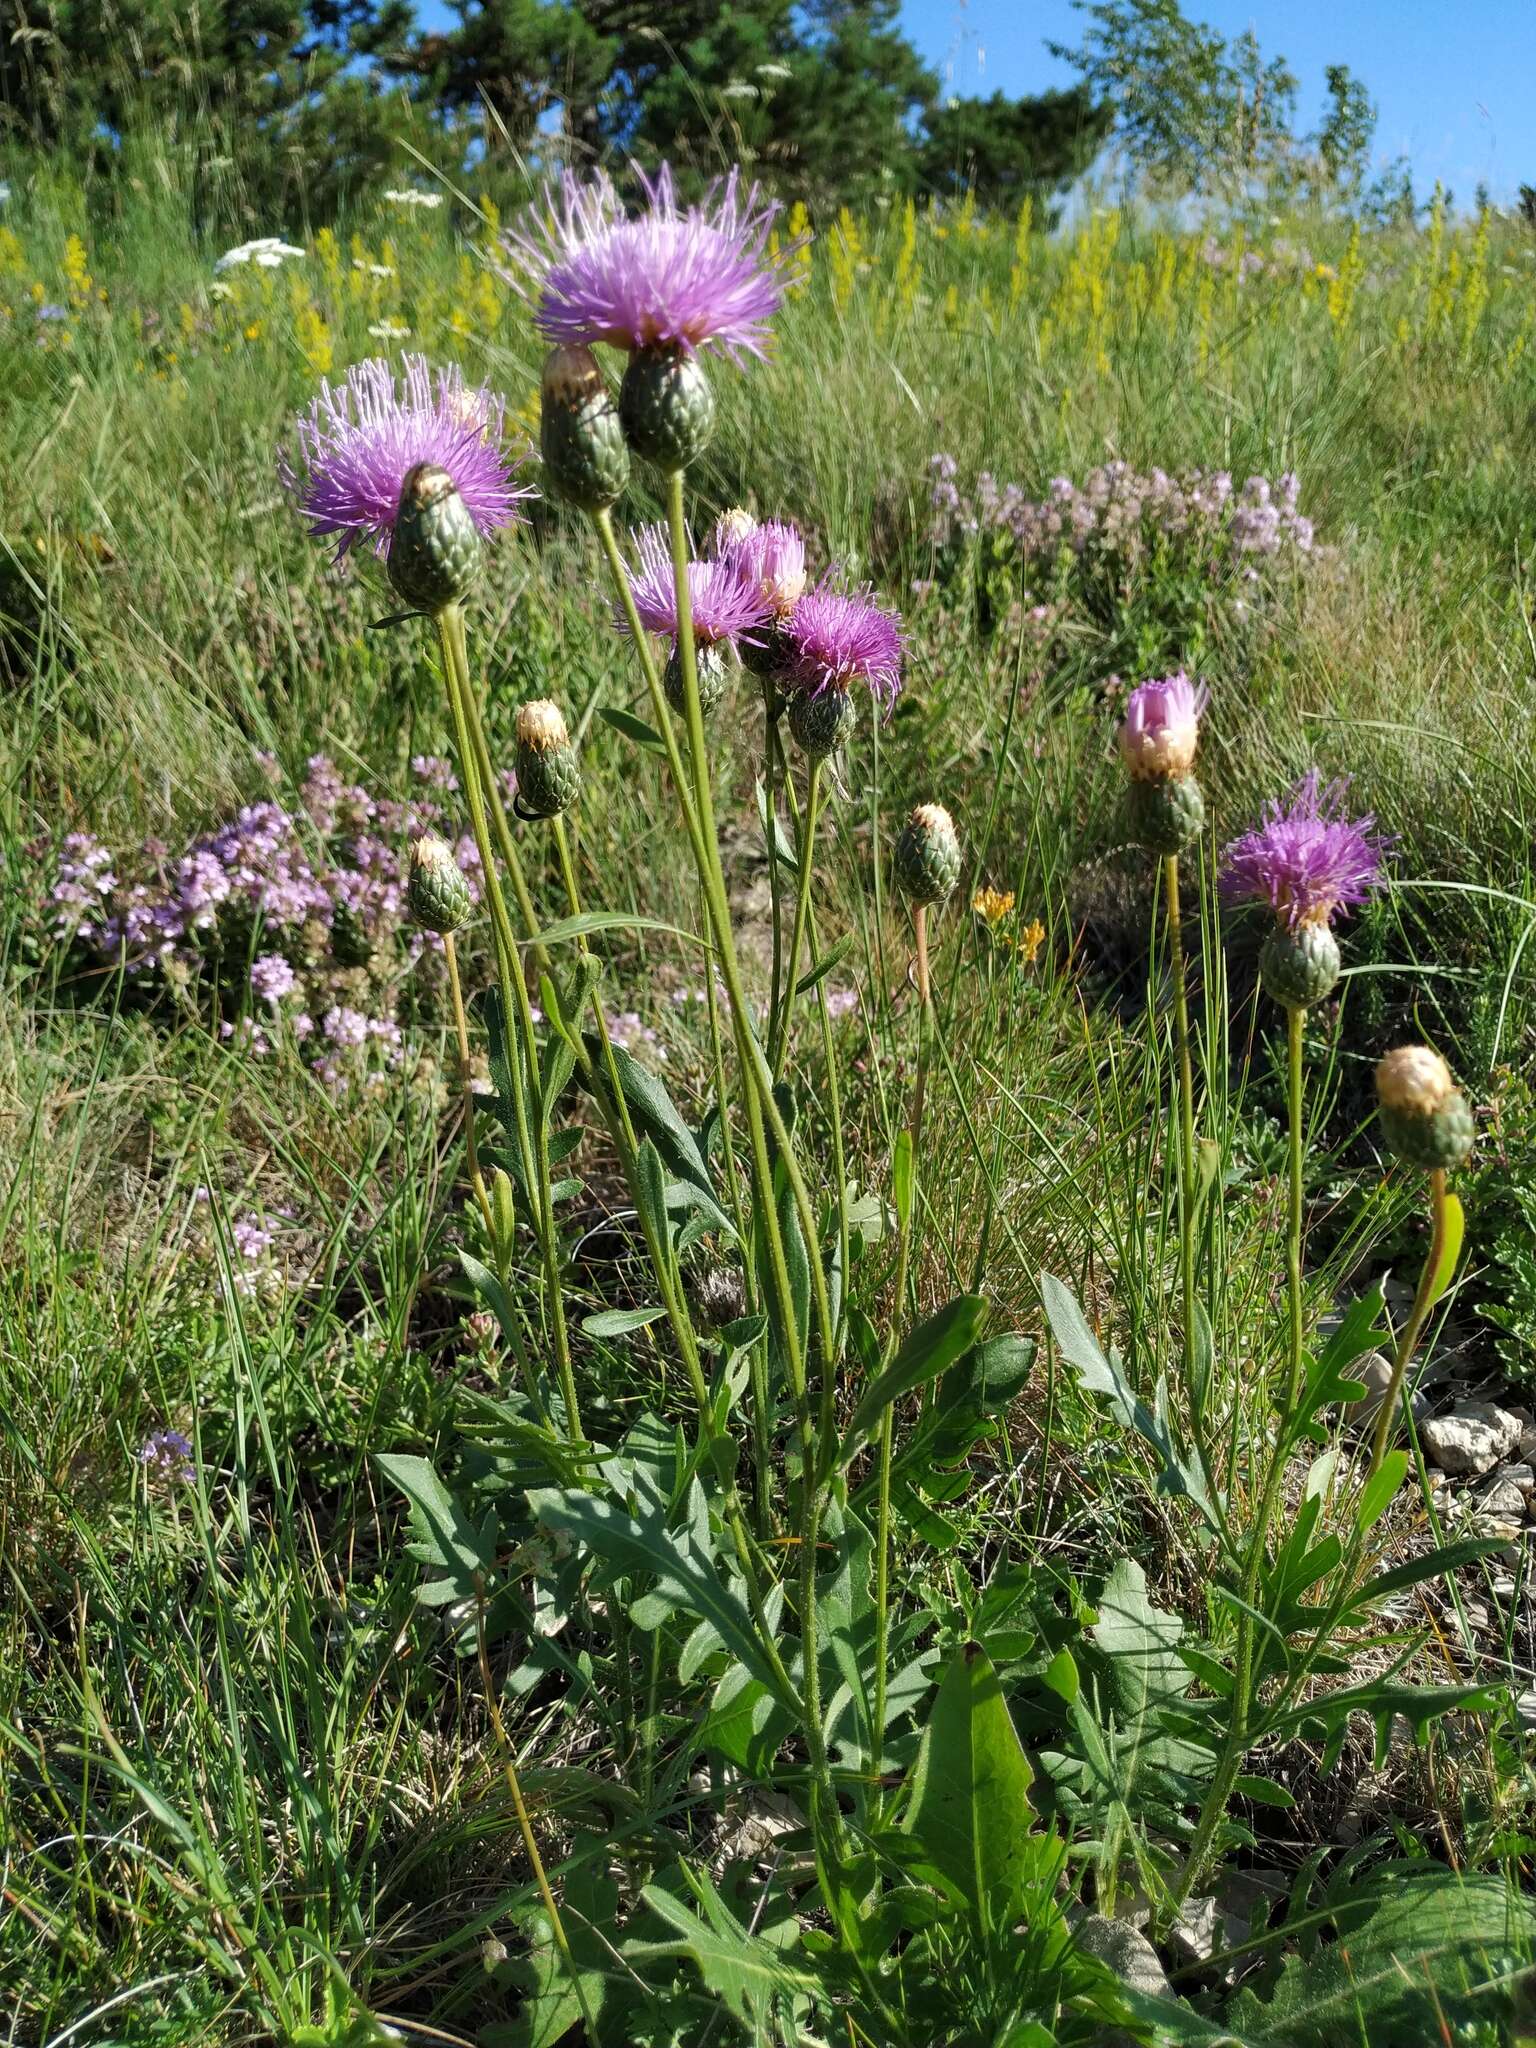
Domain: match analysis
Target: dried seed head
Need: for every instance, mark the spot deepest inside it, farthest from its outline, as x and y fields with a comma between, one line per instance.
x=1413, y=1079
x=541, y=725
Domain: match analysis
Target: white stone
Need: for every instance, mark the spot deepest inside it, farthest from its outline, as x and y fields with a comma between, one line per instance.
x=1471, y=1440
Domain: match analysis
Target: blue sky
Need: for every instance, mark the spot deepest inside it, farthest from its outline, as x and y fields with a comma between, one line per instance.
x=1451, y=78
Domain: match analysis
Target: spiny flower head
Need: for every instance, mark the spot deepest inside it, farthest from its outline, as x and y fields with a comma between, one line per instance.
x=360, y=439
x=674, y=277
x=1162, y=726
x=1308, y=859
x=772, y=556
x=724, y=606
x=836, y=638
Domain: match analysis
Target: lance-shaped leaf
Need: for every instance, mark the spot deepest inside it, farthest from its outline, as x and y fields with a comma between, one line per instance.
x=970, y=1807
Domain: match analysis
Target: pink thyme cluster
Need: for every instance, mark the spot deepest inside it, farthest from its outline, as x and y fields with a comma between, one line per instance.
x=1162, y=727
x=673, y=277
x=725, y=605
x=1307, y=859
x=290, y=917
x=358, y=440
x=835, y=638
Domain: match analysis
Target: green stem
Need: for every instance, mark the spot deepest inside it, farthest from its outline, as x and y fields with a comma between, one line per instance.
x=1194, y=1394
x=779, y=1049
x=771, y=758
x=761, y=1107
x=1418, y=1316
x=466, y=1083
x=517, y=1019
x=1295, y=1023
x=491, y=794
x=898, y=1320
x=1244, y=1683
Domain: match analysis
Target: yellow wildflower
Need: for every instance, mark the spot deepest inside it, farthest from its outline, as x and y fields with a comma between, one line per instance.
x=992, y=906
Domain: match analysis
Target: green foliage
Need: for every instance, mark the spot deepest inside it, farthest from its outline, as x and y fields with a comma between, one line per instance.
x=1191, y=109
x=1003, y=149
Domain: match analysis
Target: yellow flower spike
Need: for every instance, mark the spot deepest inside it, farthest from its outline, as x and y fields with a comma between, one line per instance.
x=992, y=906
x=1029, y=942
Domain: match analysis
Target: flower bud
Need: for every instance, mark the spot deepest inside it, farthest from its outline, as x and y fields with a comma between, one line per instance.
x=1162, y=727
x=666, y=406
x=1299, y=968
x=503, y=1207
x=434, y=551
x=928, y=855
x=548, y=772
x=1423, y=1114
x=436, y=892
x=586, y=458
x=730, y=530
x=1165, y=816
x=721, y=1296
x=821, y=721
x=710, y=658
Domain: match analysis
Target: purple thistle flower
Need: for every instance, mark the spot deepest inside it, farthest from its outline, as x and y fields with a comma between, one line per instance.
x=837, y=637
x=675, y=277
x=1162, y=726
x=360, y=438
x=725, y=607
x=1308, y=859
x=771, y=558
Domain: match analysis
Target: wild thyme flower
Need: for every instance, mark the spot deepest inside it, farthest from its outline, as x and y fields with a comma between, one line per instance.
x=167, y=1452
x=1162, y=727
x=836, y=638
x=1308, y=859
x=674, y=278
x=360, y=440
x=725, y=606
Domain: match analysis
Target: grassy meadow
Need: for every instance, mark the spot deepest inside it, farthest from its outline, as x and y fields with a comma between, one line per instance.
x=255, y=1789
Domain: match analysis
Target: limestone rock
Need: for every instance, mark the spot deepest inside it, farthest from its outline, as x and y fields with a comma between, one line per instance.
x=1470, y=1440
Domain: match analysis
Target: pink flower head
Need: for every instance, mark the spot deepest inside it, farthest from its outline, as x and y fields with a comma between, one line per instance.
x=771, y=558
x=1309, y=860
x=725, y=607
x=674, y=277
x=838, y=637
x=1162, y=727
x=359, y=439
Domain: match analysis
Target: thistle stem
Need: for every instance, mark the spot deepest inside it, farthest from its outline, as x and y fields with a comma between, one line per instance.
x=1295, y=1023
x=517, y=1018
x=466, y=1082
x=1186, y=1132
x=1245, y=1680
x=779, y=1050
x=1418, y=1316
x=771, y=757
x=898, y=1320
x=761, y=1107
